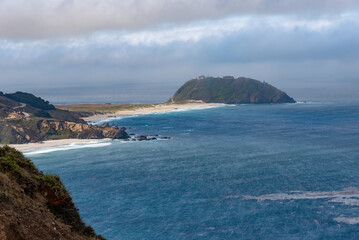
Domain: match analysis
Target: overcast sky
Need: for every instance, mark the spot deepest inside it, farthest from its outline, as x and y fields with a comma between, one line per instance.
x=310, y=49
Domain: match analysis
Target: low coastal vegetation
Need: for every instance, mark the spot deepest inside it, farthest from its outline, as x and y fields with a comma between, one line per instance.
x=35, y=205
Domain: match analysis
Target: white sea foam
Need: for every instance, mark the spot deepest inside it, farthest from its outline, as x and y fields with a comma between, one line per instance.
x=310, y=103
x=72, y=146
x=347, y=220
x=197, y=108
x=348, y=196
x=346, y=201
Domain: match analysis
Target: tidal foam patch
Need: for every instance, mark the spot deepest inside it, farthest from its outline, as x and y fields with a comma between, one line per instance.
x=347, y=220
x=348, y=196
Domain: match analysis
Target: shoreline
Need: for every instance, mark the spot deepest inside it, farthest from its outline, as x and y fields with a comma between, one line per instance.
x=97, y=117
x=52, y=143
x=147, y=110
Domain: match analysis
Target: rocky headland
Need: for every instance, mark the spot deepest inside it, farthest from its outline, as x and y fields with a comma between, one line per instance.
x=229, y=90
x=25, y=118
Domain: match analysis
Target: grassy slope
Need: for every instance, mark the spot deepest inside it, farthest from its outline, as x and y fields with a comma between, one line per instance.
x=6, y=102
x=36, y=205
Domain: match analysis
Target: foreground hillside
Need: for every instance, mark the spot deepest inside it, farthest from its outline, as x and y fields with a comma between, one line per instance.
x=229, y=90
x=34, y=205
x=26, y=118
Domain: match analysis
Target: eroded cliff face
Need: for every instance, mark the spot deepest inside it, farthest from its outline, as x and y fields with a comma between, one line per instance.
x=34, y=205
x=29, y=130
x=82, y=131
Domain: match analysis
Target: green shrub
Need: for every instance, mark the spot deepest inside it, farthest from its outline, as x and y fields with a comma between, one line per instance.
x=52, y=181
x=12, y=157
x=8, y=164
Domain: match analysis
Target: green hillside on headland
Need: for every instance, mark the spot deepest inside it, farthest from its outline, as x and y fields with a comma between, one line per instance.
x=229, y=90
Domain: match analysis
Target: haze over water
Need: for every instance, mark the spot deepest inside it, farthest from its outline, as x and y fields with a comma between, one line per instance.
x=284, y=171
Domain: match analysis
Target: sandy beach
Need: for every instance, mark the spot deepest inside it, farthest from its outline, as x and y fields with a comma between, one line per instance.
x=52, y=143
x=147, y=110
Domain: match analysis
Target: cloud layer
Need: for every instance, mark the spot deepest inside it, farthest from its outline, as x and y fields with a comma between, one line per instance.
x=307, y=48
x=59, y=18
x=231, y=40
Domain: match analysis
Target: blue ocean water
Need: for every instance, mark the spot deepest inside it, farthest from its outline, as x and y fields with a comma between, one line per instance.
x=287, y=171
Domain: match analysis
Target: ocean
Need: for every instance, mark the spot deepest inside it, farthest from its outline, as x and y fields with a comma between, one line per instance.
x=286, y=171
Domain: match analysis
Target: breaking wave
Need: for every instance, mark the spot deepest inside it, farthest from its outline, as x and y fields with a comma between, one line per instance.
x=72, y=146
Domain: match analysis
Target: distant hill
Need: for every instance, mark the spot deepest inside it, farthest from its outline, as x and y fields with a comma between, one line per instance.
x=28, y=104
x=31, y=100
x=229, y=90
x=34, y=205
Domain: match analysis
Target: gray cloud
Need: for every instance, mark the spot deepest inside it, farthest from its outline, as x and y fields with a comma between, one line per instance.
x=304, y=62
x=307, y=48
x=257, y=40
x=56, y=18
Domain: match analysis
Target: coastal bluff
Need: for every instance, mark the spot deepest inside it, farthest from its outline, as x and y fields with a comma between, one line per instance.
x=229, y=90
x=34, y=205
